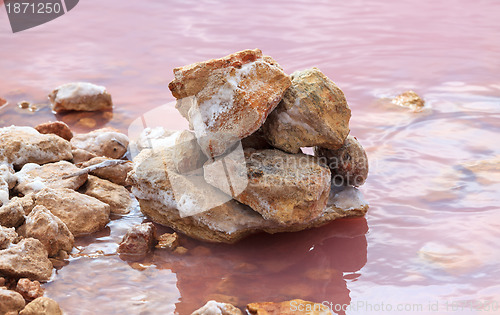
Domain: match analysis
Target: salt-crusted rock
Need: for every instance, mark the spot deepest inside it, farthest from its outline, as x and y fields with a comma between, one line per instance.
x=80, y=96
x=138, y=241
x=116, y=196
x=12, y=214
x=26, y=259
x=21, y=145
x=169, y=241
x=7, y=182
x=348, y=164
x=115, y=173
x=48, y=229
x=102, y=142
x=33, y=177
x=149, y=136
x=7, y=236
x=285, y=188
x=409, y=99
x=42, y=306
x=57, y=128
x=10, y=301
x=228, y=99
x=30, y=290
x=293, y=307
x=215, y=308
x=313, y=112
x=82, y=214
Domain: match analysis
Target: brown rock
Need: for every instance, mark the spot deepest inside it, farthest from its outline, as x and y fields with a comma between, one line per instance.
x=138, y=241
x=82, y=214
x=80, y=155
x=12, y=214
x=42, y=306
x=33, y=177
x=10, y=301
x=80, y=96
x=2, y=102
x=169, y=241
x=286, y=188
x=30, y=290
x=256, y=141
x=7, y=236
x=116, y=196
x=21, y=145
x=228, y=99
x=48, y=229
x=57, y=128
x=409, y=99
x=313, y=112
x=293, y=307
x=102, y=142
x=115, y=173
x=348, y=164
x=212, y=307
x=180, y=250
x=26, y=259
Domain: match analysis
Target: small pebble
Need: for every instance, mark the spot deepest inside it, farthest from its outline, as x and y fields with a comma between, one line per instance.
x=24, y=104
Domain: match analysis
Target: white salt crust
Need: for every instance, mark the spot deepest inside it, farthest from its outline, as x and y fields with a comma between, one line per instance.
x=77, y=89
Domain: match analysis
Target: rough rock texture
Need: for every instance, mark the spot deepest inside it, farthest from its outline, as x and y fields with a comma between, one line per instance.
x=12, y=214
x=42, y=306
x=116, y=173
x=10, y=301
x=256, y=141
x=7, y=236
x=149, y=136
x=57, y=128
x=229, y=98
x=7, y=182
x=80, y=155
x=138, y=241
x=169, y=241
x=30, y=290
x=215, y=308
x=26, y=259
x=80, y=96
x=116, y=196
x=285, y=188
x=293, y=307
x=102, y=142
x=313, y=112
x=48, y=229
x=82, y=214
x=348, y=164
x=33, y=177
x=21, y=145
x=409, y=99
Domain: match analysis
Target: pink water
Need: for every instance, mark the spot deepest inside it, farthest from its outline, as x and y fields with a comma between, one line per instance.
x=430, y=240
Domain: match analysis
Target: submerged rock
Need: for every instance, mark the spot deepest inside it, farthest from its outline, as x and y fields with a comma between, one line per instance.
x=7, y=236
x=26, y=259
x=169, y=241
x=30, y=290
x=228, y=99
x=102, y=142
x=21, y=145
x=42, y=306
x=313, y=112
x=58, y=128
x=348, y=164
x=138, y=241
x=215, y=308
x=116, y=196
x=33, y=177
x=10, y=301
x=409, y=99
x=293, y=307
x=80, y=96
x=115, y=173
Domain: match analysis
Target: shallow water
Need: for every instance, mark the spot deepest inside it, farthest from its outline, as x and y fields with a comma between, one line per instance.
x=429, y=240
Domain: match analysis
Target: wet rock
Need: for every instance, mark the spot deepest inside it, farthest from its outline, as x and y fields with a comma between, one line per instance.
x=115, y=173
x=228, y=99
x=293, y=307
x=409, y=99
x=10, y=301
x=102, y=142
x=80, y=155
x=26, y=259
x=57, y=128
x=116, y=196
x=48, y=229
x=2, y=102
x=12, y=214
x=180, y=250
x=33, y=177
x=285, y=188
x=21, y=145
x=7, y=236
x=82, y=214
x=80, y=96
x=313, y=112
x=30, y=290
x=215, y=308
x=169, y=241
x=348, y=164
x=42, y=306
x=138, y=241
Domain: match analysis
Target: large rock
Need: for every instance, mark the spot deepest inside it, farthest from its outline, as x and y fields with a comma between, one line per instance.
x=228, y=99
x=286, y=188
x=80, y=96
x=33, y=177
x=116, y=196
x=216, y=308
x=102, y=142
x=7, y=236
x=82, y=214
x=30, y=290
x=21, y=145
x=115, y=173
x=48, y=229
x=138, y=241
x=293, y=307
x=26, y=259
x=313, y=112
x=58, y=128
x=10, y=301
x=42, y=306
x=12, y=214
